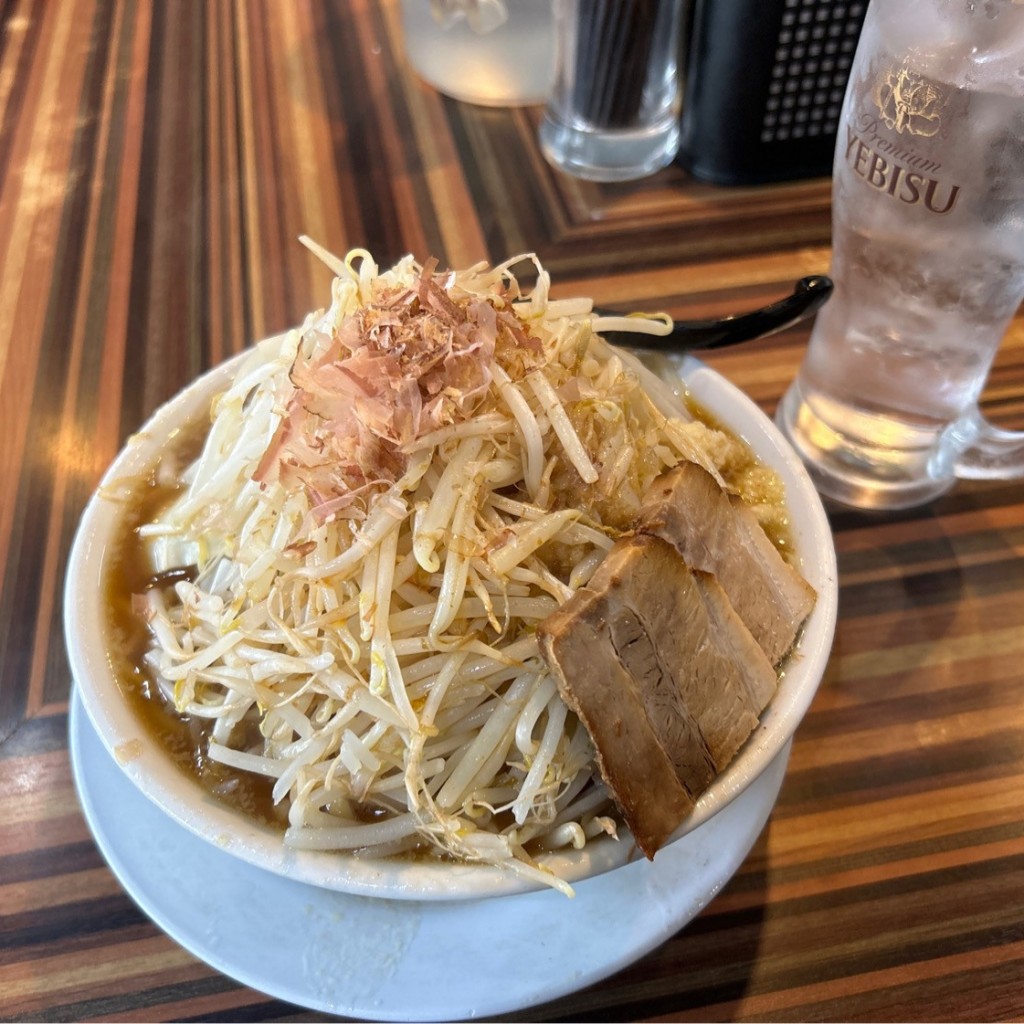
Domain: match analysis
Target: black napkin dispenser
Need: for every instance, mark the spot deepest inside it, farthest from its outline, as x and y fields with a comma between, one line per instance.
x=765, y=82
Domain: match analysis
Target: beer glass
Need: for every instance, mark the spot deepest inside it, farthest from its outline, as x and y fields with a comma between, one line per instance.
x=927, y=258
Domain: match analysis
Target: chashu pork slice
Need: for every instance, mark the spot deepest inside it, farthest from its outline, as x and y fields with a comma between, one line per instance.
x=664, y=676
x=716, y=533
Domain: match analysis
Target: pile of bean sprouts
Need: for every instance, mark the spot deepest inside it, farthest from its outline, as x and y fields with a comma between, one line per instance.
x=376, y=657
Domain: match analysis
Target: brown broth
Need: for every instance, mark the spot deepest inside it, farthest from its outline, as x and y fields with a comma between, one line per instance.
x=182, y=736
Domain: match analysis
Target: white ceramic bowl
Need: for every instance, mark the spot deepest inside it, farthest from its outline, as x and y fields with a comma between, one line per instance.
x=149, y=767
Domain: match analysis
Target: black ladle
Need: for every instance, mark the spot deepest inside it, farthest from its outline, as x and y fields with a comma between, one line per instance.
x=809, y=295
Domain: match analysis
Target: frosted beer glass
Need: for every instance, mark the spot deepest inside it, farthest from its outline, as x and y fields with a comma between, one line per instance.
x=927, y=258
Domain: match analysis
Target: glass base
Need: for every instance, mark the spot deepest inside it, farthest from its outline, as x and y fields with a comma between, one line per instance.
x=506, y=64
x=609, y=154
x=862, y=472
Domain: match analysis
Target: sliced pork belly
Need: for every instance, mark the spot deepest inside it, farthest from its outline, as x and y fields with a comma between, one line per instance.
x=673, y=725
x=716, y=533
x=596, y=685
x=677, y=634
x=664, y=675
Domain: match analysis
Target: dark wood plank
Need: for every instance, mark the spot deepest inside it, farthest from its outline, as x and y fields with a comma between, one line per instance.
x=157, y=163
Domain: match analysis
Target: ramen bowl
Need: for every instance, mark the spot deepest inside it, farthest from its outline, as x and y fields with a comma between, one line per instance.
x=146, y=762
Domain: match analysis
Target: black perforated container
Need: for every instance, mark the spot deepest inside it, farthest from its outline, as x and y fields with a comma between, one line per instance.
x=764, y=87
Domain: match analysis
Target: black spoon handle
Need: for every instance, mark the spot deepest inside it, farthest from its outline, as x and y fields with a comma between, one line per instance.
x=809, y=295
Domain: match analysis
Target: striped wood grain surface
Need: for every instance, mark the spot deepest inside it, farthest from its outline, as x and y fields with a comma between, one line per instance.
x=157, y=162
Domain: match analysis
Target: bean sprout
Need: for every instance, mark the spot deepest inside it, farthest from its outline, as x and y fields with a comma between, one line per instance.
x=387, y=503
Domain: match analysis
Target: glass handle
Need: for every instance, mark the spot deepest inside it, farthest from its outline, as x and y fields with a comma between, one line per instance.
x=988, y=452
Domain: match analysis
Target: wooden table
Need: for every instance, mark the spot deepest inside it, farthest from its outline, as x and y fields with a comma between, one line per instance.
x=157, y=162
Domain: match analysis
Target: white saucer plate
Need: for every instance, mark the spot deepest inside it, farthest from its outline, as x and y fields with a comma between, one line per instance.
x=381, y=959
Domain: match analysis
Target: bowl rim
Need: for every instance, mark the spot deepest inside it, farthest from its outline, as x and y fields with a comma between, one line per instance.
x=151, y=770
